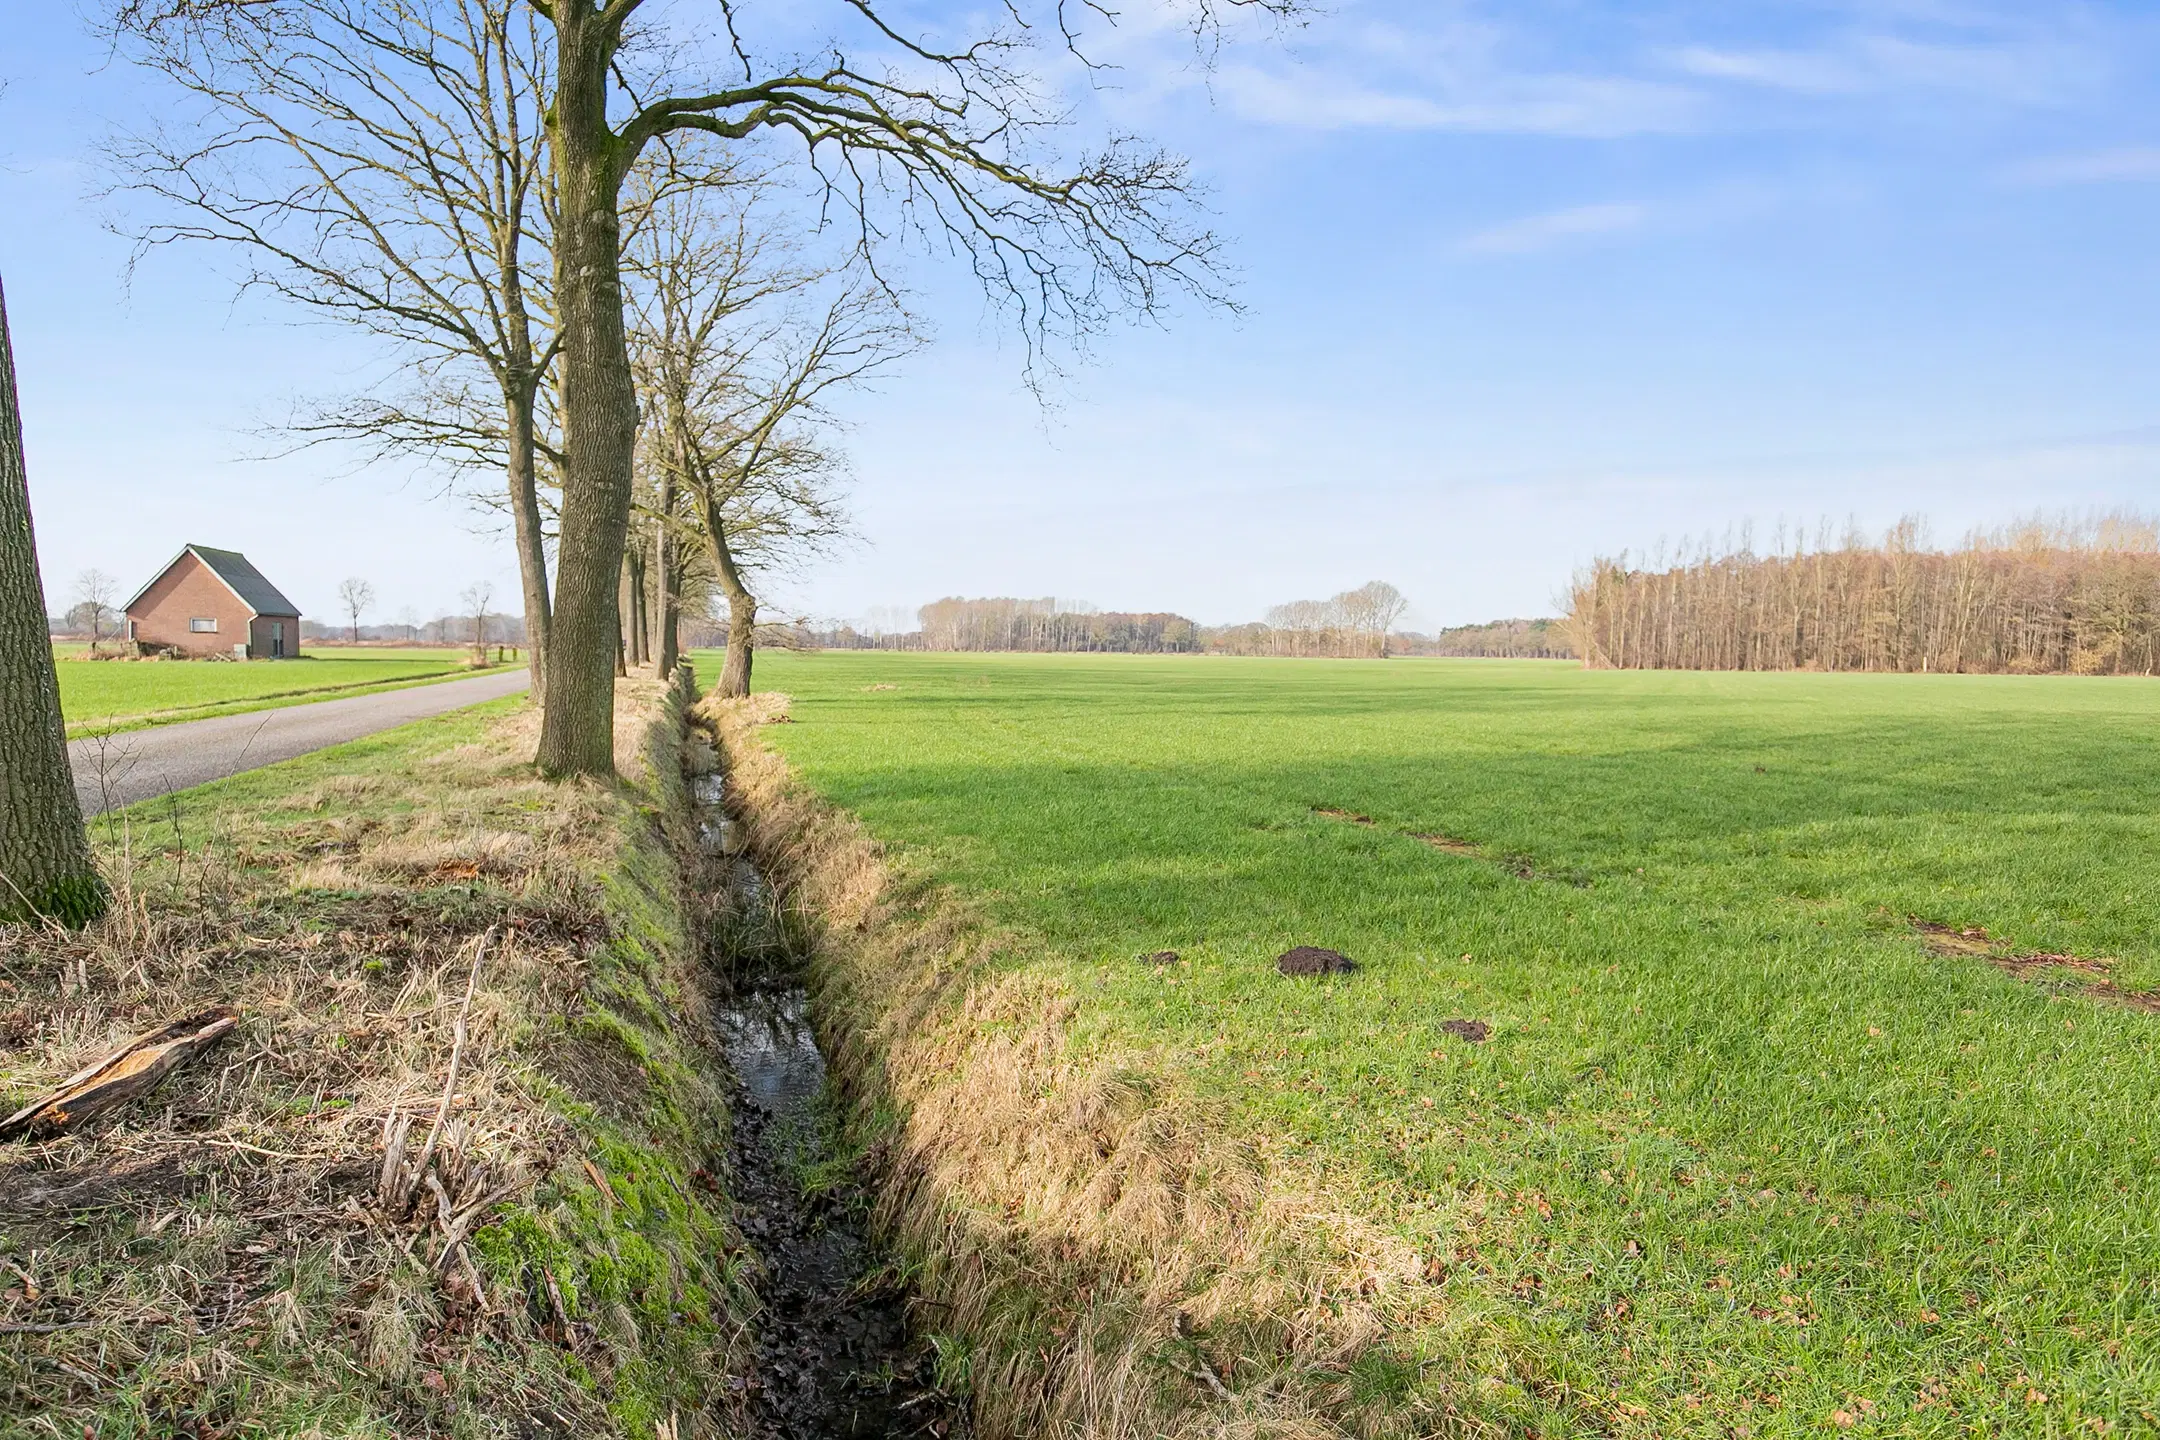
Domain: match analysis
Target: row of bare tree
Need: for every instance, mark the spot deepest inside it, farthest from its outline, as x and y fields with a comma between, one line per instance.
x=1354, y=622
x=1048, y=625
x=1542, y=639
x=583, y=227
x=2043, y=597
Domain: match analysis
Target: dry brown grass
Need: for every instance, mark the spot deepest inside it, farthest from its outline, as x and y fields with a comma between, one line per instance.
x=1123, y=1261
x=219, y=1260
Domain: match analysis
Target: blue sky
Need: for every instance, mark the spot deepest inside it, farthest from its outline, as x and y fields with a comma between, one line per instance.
x=1524, y=283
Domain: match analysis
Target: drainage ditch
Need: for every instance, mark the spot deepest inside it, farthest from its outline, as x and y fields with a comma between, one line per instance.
x=836, y=1357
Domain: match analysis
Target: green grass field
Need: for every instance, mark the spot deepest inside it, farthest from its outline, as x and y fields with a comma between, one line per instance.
x=118, y=695
x=1742, y=1155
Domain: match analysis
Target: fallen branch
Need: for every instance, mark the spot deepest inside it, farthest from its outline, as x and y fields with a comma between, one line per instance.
x=135, y=1069
x=457, y=1058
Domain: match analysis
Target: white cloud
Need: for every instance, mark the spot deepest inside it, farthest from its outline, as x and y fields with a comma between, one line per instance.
x=1588, y=107
x=2005, y=67
x=2096, y=167
x=1803, y=73
x=1543, y=232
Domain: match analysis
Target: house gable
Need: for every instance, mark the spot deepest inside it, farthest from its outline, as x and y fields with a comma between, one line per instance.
x=208, y=601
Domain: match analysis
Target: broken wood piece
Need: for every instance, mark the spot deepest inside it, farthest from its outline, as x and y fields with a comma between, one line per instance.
x=457, y=1058
x=394, y=1131
x=135, y=1069
x=599, y=1180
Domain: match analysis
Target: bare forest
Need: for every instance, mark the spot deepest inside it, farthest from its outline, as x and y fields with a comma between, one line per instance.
x=1354, y=623
x=2040, y=597
x=1540, y=639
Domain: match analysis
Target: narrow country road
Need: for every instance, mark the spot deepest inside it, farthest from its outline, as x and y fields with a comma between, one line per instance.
x=139, y=764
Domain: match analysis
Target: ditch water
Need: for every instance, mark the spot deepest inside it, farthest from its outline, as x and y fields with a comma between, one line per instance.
x=836, y=1357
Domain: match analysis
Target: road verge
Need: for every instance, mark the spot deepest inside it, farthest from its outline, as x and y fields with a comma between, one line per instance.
x=454, y=1170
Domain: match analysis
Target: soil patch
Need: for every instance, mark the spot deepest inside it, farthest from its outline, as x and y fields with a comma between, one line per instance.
x=1312, y=960
x=1162, y=957
x=1973, y=941
x=1473, y=1031
x=1522, y=867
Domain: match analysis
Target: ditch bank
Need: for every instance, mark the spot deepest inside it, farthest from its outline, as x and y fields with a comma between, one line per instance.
x=1100, y=1254
x=835, y=1356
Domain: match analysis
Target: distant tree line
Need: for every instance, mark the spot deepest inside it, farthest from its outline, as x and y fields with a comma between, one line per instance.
x=1544, y=639
x=2042, y=597
x=494, y=627
x=1353, y=623
x=1050, y=625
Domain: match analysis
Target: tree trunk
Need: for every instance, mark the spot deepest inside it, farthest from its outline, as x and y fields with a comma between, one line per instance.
x=531, y=550
x=742, y=605
x=623, y=612
x=667, y=584
x=599, y=401
x=741, y=634
x=637, y=630
x=45, y=866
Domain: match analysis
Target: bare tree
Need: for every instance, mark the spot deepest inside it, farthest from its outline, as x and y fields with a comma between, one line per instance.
x=948, y=140
x=409, y=620
x=735, y=347
x=355, y=597
x=382, y=163
x=94, y=593
x=954, y=142
x=45, y=865
x=1372, y=609
x=478, y=597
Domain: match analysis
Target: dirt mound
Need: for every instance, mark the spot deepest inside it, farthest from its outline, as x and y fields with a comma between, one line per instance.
x=1312, y=960
x=1473, y=1031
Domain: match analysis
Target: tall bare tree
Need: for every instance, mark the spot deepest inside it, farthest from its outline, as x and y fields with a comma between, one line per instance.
x=955, y=141
x=1372, y=610
x=382, y=163
x=355, y=596
x=478, y=596
x=45, y=866
x=950, y=139
x=736, y=346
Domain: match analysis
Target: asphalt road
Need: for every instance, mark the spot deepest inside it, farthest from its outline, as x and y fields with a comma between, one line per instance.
x=140, y=764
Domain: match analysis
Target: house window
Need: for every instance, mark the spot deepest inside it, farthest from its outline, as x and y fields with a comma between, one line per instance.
x=203, y=627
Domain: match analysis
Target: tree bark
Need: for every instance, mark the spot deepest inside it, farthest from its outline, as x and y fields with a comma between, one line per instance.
x=623, y=612
x=667, y=583
x=637, y=627
x=742, y=605
x=599, y=399
x=524, y=486
x=45, y=866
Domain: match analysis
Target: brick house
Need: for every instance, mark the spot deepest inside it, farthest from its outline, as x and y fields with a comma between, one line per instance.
x=213, y=602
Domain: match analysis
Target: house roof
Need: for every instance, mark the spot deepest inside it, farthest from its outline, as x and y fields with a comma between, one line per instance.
x=240, y=577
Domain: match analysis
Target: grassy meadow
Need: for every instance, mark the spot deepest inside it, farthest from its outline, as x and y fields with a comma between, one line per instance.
x=1747, y=1151
x=120, y=695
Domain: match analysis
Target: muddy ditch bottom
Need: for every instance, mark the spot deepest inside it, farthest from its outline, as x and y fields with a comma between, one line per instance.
x=836, y=1356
